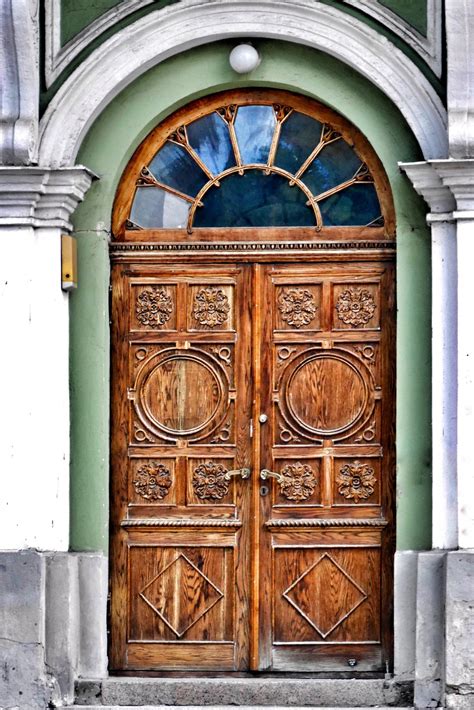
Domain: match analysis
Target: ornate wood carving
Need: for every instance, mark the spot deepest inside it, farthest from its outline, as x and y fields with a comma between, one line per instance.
x=179, y=523
x=356, y=481
x=298, y=481
x=187, y=395
x=251, y=247
x=154, y=307
x=152, y=481
x=209, y=481
x=176, y=612
x=326, y=523
x=368, y=435
x=323, y=618
x=211, y=306
x=297, y=306
x=355, y=306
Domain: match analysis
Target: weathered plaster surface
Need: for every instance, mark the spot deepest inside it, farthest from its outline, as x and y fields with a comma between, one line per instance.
x=460, y=41
x=107, y=148
x=19, y=87
x=48, y=603
x=70, y=30
x=191, y=23
x=35, y=206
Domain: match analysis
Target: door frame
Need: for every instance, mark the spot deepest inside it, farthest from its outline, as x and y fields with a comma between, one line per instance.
x=204, y=254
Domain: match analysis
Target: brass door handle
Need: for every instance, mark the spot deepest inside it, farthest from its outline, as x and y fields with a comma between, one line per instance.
x=265, y=473
x=242, y=472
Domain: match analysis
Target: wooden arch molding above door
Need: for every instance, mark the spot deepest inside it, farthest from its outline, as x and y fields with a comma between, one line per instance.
x=253, y=318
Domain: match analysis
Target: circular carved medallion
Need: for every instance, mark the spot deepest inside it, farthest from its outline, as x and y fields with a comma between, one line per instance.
x=181, y=392
x=325, y=392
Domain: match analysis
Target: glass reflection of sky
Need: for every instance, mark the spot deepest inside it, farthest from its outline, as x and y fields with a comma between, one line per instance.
x=354, y=206
x=335, y=164
x=209, y=137
x=254, y=128
x=298, y=137
x=254, y=199
x=173, y=166
x=154, y=207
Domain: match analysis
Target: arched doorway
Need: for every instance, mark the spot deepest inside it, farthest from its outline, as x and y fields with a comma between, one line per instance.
x=252, y=395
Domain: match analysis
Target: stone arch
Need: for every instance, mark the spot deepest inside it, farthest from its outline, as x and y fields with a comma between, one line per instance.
x=190, y=23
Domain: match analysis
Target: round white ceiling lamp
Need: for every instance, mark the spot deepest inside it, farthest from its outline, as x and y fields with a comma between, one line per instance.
x=244, y=58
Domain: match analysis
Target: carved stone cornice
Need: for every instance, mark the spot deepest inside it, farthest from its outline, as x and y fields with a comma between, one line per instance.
x=446, y=185
x=429, y=185
x=40, y=197
x=458, y=177
x=19, y=85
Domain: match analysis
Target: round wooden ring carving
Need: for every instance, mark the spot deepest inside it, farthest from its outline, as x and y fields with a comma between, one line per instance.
x=181, y=392
x=325, y=392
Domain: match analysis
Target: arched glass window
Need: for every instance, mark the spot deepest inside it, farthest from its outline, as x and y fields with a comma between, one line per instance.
x=252, y=161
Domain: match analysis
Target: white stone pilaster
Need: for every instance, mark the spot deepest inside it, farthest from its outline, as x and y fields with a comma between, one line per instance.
x=35, y=206
x=458, y=176
x=444, y=352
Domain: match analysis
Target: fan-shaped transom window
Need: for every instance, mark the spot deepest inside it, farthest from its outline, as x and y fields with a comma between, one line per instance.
x=253, y=161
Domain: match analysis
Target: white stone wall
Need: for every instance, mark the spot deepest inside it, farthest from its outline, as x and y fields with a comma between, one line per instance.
x=34, y=457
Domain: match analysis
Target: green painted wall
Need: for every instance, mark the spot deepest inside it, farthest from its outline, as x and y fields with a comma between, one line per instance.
x=106, y=150
x=413, y=11
x=77, y=14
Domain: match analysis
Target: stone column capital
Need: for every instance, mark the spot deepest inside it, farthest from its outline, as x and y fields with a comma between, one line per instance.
x=458, y=176
x=428, y=183
x=41, y=197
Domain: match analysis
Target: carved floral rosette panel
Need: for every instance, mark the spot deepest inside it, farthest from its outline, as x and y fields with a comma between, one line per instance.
x=357, y=481
x=298, y=482
x=297, y=306
x=210, y=482
x=152, y=481
x=211, y=307
x=154, y=307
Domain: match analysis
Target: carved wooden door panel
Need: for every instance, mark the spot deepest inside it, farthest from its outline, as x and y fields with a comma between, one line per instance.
x=180, y=422
x=325, y=536
x=215, y=571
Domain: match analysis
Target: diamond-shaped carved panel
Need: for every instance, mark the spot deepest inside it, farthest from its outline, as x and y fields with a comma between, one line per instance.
x=181, y=594
x=325, y=595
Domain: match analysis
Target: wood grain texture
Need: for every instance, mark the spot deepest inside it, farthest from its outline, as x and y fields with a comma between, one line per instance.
x=292, y=576
x=181, y=410
x=326, y=554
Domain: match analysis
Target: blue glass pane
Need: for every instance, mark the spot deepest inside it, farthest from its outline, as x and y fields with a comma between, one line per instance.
x=209, y=136
x=354, y=206
x=254, y=127
x=153, y=208
x=299, y=135
x=336, y=163
x=254, y=200
x=173, y=166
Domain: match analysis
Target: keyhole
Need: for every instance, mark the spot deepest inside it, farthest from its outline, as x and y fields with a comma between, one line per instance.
x=264, y=490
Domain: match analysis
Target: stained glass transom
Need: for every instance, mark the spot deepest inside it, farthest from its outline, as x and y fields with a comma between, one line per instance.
x=255, y=166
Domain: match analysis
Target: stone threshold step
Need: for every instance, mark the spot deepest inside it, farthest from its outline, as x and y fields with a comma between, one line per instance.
x=226, y=707
x=244, y=692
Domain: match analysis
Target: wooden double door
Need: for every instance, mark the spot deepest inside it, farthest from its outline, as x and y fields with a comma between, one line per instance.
x=252, y=466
